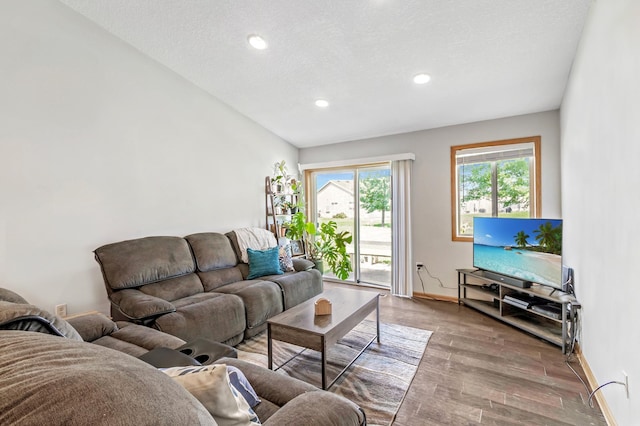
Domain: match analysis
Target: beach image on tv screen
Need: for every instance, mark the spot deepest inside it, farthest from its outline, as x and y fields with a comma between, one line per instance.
x=528, y=249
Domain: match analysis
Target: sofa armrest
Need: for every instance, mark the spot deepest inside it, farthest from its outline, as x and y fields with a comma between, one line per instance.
x=11, y=296
x=319, y=408
x=137, y=305
x=300, y=264
x=21, y=316
x=145, y=337
x=93, y=326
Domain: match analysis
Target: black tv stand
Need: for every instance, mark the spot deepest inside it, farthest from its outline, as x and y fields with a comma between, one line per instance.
x=529, y=307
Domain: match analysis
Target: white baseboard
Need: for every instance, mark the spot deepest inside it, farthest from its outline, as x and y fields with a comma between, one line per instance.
x=593, y=383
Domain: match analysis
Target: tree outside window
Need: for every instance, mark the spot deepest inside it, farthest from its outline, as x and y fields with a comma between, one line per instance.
x=499, y=179
x=375, y=194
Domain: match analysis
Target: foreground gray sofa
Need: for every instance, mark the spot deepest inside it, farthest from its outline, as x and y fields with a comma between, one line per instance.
x=46, y=379
x=48, y=375
x=197, y=286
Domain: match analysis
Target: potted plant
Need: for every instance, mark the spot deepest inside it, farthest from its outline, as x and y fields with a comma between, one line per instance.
x=297, y=228
x=298, y=195
x=323, y=244
x=288, y=207
x=280, y=177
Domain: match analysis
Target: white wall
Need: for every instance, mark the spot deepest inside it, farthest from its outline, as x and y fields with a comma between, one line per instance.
x=98, y=143
x=432, y=185
x=600, y=127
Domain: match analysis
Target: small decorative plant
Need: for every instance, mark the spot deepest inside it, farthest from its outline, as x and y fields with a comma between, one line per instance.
x=298, y=190
x=280, y=176
x=289, y=206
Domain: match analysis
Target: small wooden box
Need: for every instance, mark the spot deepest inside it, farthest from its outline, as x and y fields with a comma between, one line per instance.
x=323, y=307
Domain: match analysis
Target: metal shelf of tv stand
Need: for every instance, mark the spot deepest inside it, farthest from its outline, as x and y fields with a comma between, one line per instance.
x=550, y=329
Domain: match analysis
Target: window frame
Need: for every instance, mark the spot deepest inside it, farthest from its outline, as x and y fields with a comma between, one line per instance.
x=536, y=191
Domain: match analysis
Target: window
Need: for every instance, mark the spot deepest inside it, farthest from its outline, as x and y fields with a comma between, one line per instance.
x=500, y=179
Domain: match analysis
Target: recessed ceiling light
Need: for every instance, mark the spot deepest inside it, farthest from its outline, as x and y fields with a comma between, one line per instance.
x=321, y=103
x=421, y=78
x=257, y=42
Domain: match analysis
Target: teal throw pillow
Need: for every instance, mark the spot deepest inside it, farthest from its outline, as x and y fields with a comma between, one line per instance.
x=263, y=262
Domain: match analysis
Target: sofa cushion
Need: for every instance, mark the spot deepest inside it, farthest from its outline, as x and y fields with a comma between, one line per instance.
x=255, y=238
x=298, y=286
x=212, y=251
x=134, y=263
x=262, y=300
x=300, y=264
x=174, y=288
x=211, y=280
x=213, y=316
x=48, y=379
x=211, y=386
x=263, y=262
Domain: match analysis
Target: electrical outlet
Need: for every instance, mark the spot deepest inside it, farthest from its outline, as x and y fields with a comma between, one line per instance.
x=61, y=310
x=419, y=265
x=626, y=382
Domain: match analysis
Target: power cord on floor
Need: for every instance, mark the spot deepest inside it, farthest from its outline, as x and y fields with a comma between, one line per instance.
x=575, y=321
x=435, y=278
x=421, y=281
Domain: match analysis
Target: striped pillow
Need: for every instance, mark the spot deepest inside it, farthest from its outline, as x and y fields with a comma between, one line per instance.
x=211, y=386
x=263, y=262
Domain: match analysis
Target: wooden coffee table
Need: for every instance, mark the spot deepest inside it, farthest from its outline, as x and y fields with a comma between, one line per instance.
x=301, y=327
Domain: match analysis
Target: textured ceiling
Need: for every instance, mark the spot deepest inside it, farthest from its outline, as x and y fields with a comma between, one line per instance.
x=487, y=58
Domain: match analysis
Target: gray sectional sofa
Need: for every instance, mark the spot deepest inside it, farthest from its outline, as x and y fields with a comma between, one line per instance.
x=197, y=286
x=49, y=375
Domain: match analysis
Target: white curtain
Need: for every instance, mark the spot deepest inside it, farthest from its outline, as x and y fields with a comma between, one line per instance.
x=402, y=259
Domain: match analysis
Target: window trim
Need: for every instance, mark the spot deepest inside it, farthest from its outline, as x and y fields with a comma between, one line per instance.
x=537, y=190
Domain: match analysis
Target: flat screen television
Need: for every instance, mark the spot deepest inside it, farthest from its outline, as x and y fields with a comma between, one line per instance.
x=529, y=250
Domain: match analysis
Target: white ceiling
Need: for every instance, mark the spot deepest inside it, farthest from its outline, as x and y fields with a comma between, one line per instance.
x=487, y=58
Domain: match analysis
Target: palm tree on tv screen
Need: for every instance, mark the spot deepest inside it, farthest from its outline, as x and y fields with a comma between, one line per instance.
x=549, y=238
x=521, y=239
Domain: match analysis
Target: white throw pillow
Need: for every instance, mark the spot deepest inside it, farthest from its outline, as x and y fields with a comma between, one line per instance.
x=210, y=385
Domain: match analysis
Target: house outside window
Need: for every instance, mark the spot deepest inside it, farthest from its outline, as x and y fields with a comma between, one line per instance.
x=494, y=179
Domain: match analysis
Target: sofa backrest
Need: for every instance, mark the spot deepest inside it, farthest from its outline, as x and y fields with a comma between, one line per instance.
x=216, y=261
x=160, y=266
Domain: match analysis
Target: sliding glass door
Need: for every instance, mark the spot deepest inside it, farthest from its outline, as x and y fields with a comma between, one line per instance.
x=358, y=199
x=374, y=225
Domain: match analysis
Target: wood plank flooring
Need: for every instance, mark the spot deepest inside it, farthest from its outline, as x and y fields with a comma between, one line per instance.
x=477, y=370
